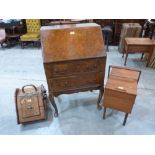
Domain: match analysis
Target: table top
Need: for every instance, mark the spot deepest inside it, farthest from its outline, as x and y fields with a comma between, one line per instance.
x=139, y=41
x=131, y=25
x=68, y=26
x=8, y=25
x=63, y=22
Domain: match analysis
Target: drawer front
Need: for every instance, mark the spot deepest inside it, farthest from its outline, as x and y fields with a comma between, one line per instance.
x=76, y=82
x=74, y=67
x=140, y=49
x=118, y=100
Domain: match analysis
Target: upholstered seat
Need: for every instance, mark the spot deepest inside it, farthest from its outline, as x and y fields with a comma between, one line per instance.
x=33, y=31
x=30, y=37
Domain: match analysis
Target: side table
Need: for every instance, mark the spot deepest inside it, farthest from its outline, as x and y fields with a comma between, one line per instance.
x=138, y=45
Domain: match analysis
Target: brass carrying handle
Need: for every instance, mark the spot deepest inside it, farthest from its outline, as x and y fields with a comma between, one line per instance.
x=23, y=90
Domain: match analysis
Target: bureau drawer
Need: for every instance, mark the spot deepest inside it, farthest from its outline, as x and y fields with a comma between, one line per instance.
x=119, y=100
x=74, y=67
x=76, y=82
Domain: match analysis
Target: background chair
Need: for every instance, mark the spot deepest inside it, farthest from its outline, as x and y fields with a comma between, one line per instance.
x=12, y=37
x=2, y=37
x=33, y=32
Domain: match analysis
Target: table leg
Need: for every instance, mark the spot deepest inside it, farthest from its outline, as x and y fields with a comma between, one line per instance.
x=104, y=113
x=107, y=43
x=125, y=119
x=126, y=57
x=99, y=99
x=2, y=45
x=123, y=51
x=54, y=105
x=22, y=44
x=149, y=58
x=142, y=56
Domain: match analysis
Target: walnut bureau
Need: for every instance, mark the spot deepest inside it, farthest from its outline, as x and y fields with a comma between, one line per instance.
x=74, y=59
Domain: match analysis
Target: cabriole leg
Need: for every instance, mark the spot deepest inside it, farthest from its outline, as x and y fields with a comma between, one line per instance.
x=99, y=99
x=54, y=105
